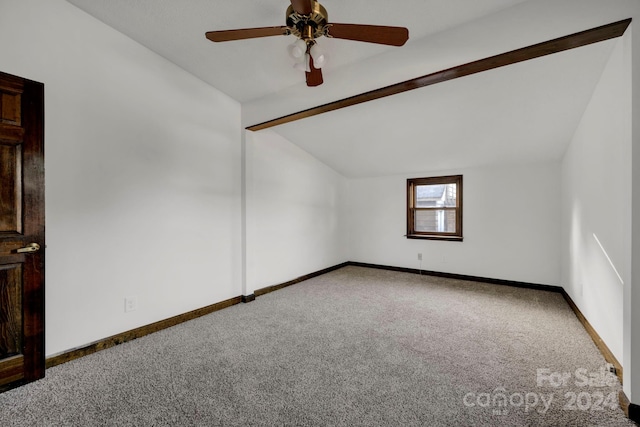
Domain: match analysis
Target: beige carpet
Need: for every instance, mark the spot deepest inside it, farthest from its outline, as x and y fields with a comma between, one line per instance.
x=356, y=346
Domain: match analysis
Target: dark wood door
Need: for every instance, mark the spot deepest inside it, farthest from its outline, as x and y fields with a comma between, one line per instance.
x=21, y=231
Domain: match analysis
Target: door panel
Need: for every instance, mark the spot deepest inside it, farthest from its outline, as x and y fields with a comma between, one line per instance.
x=10, y=191
x=10, y=310
x=21, y=224
x=10, y=104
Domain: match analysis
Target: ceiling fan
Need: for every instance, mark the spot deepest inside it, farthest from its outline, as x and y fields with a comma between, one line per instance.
x=308, y=20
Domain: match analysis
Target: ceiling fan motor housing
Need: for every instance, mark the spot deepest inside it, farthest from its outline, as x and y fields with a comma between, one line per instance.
x=308, y=27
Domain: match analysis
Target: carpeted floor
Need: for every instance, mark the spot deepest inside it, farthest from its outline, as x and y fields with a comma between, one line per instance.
x=356, y=346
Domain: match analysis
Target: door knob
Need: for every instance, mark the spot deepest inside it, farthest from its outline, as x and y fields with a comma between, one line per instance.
x=31, y=247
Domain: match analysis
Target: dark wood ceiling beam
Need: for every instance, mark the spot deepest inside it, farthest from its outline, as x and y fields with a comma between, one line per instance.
x=572, y=41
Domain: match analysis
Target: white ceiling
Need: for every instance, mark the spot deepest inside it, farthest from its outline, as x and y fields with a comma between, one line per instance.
x=526, y=112
x=520, y=113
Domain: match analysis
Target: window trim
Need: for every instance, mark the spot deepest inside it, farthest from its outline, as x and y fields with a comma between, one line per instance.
x=411, y=209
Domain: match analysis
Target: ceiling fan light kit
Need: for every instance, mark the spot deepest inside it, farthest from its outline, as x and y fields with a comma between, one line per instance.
x=308, y=20
x=297, y=49
x=319, y=58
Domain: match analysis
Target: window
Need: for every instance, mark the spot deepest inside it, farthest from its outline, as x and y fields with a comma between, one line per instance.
x=434, y=208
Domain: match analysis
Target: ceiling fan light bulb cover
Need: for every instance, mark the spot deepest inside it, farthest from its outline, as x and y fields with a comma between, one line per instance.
x=297, y=49
x=307, y=66
x=307, y=63
x=319, y=58
x=294, y=51
x=303, y=65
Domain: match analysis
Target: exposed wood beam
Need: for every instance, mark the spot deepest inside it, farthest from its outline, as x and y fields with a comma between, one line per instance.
x=571, y=41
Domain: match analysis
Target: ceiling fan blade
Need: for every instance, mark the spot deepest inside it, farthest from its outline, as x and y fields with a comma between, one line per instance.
x=394, y=36
x=314, y=77
x=246, y=33
x=303, y=7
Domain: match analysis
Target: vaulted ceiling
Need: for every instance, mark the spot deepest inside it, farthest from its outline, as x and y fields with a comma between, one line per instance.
x=520, y=113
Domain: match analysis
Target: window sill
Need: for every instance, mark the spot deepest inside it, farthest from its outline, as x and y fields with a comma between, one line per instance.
x=434, y=237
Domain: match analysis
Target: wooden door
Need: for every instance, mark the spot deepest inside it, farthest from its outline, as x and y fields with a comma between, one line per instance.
x=21, y=231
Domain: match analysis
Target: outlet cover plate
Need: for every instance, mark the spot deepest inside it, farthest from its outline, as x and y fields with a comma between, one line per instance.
x=130, y=304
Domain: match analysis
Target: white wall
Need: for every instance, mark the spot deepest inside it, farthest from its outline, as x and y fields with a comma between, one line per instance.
x=596, y=205
x=142, y=175
x=510, y=237
x=294, y=220
x=631, y=363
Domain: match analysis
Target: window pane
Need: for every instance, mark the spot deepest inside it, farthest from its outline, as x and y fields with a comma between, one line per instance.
x=429, y=196
x=438, y=221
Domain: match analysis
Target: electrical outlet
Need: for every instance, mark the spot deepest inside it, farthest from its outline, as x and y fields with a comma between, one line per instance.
x=419, y=256
x=130, y=304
